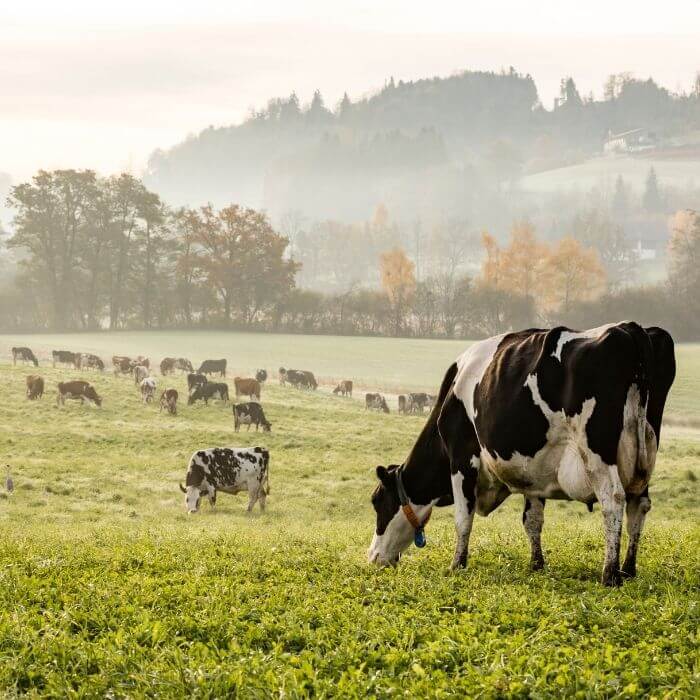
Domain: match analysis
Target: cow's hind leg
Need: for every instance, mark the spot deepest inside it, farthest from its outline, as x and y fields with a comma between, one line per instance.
x=252, y=498
x=611, y=496
x=637, y=509
x=533, y=520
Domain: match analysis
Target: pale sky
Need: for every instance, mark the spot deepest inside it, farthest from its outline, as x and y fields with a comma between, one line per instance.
x=92, y=84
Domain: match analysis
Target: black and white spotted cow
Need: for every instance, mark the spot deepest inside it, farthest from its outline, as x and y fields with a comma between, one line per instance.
x=227, y=469
x=250, y=413
x=554, y=414
x=148, y=389
x=25, y=355
x=416, y=402
x=210, y=390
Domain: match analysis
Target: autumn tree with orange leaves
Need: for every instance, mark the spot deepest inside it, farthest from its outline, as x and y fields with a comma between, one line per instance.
x=398, y=282
x=554, y=277
x=572, y=273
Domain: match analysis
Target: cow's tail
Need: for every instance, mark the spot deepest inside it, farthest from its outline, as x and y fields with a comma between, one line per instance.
x=642, y=377
x=266, y=463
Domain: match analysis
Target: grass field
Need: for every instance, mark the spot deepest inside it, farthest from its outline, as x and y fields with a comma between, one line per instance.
x=108, y=588
x=386, y=364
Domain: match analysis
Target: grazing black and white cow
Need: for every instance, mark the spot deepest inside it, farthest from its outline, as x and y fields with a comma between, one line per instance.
x=25, y=355
x=140, y=373
x=416, y=402
x=250, y=413
x=89, y=361
x=148, y=389
x=227, y=469
x=376, y=402
x=555, y=414
x=210, y=390
x=213, y=367
x=184, y=365
x=195, y=380
x=298, y=378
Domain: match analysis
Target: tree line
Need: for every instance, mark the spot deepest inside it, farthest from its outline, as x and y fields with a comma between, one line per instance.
x=107, y=253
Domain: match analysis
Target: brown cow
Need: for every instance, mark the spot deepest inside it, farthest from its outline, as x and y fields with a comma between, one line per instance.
x=344, y=388
x=35, y=387
x=77, y=390
x=168, y=400
x=247, y=387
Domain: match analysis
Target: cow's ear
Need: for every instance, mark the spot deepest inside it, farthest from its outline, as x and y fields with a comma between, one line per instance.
x=383, y=475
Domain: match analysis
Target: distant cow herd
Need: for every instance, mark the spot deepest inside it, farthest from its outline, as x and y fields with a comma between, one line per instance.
x=215, y=469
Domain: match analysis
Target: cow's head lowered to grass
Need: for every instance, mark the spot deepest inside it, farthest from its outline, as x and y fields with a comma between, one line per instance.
x=193, y=498
x=394, y=530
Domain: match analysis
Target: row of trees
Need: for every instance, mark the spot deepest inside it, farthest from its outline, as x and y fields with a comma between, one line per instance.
x=107, y=253
x=97, y=252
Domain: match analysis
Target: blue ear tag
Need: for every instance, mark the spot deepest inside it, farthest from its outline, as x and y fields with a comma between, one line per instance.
x=419, y=538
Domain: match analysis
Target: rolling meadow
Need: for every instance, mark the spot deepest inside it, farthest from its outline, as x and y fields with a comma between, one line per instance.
x=108, y=588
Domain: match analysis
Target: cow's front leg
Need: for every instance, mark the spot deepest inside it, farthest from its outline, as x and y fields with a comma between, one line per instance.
x=211, y=494
x=611, y=496
x=464, y=495
x=637, y=509
x=533, y=520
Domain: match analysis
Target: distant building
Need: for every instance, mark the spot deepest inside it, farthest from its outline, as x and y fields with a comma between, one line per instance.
x=647, y=249
x=632, y=141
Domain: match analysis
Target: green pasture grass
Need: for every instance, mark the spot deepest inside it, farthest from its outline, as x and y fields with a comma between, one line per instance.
x=108, y=588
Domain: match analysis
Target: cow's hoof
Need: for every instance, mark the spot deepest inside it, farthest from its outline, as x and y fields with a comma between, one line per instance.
x=459, y=563
x=629, y=569
x=612, y=577
x=537, y=564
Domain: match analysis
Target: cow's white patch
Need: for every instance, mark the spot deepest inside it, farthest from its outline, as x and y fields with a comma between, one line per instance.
x=386, y=548
x=471, y=365
x=559, y=468
x=567, y=336
x=192, y=499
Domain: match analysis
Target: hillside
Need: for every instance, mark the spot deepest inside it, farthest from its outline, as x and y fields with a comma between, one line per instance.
x=676, y=172
x=438, y=144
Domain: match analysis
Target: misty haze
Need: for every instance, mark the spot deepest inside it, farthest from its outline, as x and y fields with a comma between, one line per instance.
x=290, y=292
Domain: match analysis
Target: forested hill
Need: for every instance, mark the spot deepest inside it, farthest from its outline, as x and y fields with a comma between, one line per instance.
x=432, y=143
